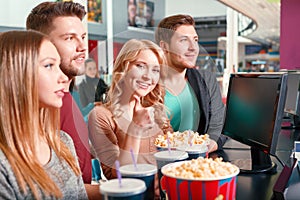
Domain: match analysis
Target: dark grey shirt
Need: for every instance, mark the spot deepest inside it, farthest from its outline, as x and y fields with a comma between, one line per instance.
x=71, y=186
x=212, y=109
x=87, y=89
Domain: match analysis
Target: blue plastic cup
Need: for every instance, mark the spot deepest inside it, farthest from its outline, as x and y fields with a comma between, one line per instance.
x=145, y=172
x=131, y=189
x=194, y=151
x=165, y=157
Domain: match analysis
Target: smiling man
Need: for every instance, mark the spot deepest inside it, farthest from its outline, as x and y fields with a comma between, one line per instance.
x=193, y=96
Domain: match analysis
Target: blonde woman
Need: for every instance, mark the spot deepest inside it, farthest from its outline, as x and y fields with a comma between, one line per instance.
x=134, y=114
x=37, y=161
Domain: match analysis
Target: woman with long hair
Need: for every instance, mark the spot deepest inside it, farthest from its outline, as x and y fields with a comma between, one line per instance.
x=37, y=160
x=134, y=113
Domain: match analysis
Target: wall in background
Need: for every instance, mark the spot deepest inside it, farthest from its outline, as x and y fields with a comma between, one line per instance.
x=289, y=35
x=13, y=13
x=196, y=8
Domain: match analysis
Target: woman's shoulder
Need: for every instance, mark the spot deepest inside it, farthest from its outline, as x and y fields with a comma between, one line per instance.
x=5, y=166
x=101, y=110
x=2, y=156
x=100, y=114
x=68, y=141
x=66, y=138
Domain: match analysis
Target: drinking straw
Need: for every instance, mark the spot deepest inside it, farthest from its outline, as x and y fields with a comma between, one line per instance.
x=189, y=140
x=133, y=159
x=117, y=163
x=168, y=141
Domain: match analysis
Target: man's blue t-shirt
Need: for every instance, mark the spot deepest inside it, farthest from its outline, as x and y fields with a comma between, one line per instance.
x=183, y=109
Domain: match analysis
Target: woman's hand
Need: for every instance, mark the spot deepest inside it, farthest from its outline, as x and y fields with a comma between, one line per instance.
x=142, y=116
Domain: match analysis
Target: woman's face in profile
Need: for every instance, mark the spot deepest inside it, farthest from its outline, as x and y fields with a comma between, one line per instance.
x=143, y=74
x=52, y=81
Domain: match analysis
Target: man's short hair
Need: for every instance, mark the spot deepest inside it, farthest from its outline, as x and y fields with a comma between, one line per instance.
x=169, y=25
x=41, y=17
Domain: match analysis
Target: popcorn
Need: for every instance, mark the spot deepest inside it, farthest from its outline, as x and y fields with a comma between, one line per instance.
x=181, y=139
x=201, y=168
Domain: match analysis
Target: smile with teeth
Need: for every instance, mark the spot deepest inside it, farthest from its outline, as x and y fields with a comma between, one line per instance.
x=143, y=85
x=80, y=59
x=190, y=56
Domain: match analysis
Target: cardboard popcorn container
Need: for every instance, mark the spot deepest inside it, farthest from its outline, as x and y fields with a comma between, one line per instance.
x=205, y=188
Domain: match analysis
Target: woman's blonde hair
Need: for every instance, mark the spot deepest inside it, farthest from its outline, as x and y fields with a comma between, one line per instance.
x=22, y=122
x=129, y=54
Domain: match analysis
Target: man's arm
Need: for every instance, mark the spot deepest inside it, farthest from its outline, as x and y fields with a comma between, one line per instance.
x=217, y=109
x=93, y=191
x=72, y=122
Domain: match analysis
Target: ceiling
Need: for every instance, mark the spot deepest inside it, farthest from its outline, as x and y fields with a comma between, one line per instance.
x=266, y=16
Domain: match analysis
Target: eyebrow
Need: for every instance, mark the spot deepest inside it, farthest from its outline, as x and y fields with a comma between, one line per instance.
x=73, y=34
x=146, y=63
x=186, y=36
x=47, y=58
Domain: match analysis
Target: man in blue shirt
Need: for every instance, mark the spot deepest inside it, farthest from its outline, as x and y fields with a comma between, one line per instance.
x=193, y=96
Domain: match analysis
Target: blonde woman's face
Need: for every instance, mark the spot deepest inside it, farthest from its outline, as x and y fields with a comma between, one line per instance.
x=143, y=74
x=52, y=80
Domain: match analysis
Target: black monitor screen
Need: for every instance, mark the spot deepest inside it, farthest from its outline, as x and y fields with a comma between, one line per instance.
x=254, y=110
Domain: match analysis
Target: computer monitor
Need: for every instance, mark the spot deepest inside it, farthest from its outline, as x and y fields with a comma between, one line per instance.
x=292, y=103
x=254, y=111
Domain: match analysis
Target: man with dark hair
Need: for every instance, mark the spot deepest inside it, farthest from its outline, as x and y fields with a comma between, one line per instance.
x=193, y=96
x=62, y=22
